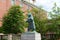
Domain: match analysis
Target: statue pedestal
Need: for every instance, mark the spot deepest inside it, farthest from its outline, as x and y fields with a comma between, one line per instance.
x=31, y=36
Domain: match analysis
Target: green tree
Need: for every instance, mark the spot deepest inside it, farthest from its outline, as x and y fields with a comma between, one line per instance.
x=45, y=26
x=40, y=25
x=55, y=13
x=39, y=19
x=1, y=30
x=53, y=26
x=13, y=22
x=39, y=13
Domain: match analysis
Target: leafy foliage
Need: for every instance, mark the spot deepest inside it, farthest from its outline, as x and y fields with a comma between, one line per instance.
x=40, y=25
x=55, y=13
x=14, y=22
x=49, y=25
x=54, y=25
x=39, y=13
x=39, y=19
x=1, y=30
x=55, y=21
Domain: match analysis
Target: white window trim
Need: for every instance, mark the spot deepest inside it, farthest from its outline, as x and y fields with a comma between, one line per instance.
x=12, y=2
x=21, y=4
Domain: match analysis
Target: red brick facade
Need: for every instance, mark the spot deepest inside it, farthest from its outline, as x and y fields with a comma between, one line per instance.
x=6, y=4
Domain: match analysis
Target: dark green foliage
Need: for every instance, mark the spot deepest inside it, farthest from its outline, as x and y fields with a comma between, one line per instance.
x=46, y=26
x=54, y=27
x=55, y=19
x=40, y=25
x=1, y=30
x=54, y=23
x=13, y=22
x=4, y=39
x=39, y=20
x=49, y=25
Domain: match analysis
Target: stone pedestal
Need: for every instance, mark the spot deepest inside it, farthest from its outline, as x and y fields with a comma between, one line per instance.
x=9, y=36
x=31, y=36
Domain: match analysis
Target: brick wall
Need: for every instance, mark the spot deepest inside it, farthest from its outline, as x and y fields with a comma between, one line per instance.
x=6, y=4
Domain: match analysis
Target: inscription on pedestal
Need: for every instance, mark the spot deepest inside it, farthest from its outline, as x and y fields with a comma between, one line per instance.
x=31, y=36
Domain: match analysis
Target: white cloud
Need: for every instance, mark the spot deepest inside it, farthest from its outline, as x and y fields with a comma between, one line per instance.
x=47, y=4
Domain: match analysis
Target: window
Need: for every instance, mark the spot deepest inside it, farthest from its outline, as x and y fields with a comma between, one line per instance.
x=21, y=4
x=12, y=2
x=28, y=7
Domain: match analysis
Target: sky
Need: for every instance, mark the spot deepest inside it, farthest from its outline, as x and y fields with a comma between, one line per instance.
x=47, y=4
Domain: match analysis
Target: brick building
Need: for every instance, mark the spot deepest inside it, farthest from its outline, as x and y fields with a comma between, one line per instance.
x=6, y=4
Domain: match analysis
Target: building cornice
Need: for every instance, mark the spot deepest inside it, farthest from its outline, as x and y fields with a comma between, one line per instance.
x=31, y=5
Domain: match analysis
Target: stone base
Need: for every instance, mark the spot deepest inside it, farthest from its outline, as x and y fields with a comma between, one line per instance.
x=31, y=36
